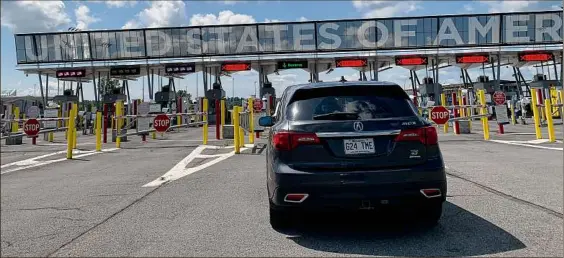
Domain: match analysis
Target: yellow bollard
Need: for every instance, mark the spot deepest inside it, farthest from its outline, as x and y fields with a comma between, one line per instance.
x=460, y=102
x=74, y=134
x=241, y=131
x=251, y=122
x=205, y=120
x=118, y=122
x=513, y=118
x=15, y=124
x=484, y=111
x=51, y=137
x=536, y=116
x=70, y=129
x=444, y=104
x=98, y=131
x=235, y=121
x=154, y=135
x=222, y=103
x=548, y=110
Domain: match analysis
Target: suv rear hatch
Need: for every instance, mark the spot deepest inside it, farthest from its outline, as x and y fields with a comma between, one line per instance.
x=348, y=128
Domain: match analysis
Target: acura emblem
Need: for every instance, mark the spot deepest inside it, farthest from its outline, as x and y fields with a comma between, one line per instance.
x=358, y=126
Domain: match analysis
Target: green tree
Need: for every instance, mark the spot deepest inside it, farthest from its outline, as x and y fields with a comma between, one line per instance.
x=184, y=94
x=108, y=86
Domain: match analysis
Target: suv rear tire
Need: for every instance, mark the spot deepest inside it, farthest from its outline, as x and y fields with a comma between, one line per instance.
x=280, y=219
x=431, y=214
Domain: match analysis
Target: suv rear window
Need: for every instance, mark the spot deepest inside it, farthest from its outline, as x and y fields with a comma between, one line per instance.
x=368, y=102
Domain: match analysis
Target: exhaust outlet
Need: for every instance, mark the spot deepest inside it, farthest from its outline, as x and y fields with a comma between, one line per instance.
x=295, y=197
x=431, y=192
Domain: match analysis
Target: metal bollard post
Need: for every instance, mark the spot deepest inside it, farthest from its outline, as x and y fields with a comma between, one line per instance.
x=483, y=111
x=217, y=120
x=15, y=124
x=235, y=118
x=251, y=122
x=222, y=115
x=443, y=103
x=205, y=120
x=98, y=131
x=118, y=115
x=536, y=117
x=74, y=133
x=70, y=129
x=549, y=121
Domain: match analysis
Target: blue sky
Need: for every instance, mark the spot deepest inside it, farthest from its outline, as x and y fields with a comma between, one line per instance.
x=58, y=15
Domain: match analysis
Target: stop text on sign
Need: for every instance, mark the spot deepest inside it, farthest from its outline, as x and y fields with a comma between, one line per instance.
x=351, y=63
x=440, y=115
x=413, y=60
x=472, y=59
x=31, y=127
x=235, y=67
x=161, y=123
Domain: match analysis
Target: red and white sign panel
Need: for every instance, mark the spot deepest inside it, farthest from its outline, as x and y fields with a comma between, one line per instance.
x=499, y=97
x=472, y=59
x=535, y=56
x=411, y=60
x=351, y=63
x=257, y=105
x=235, y=67
x=31, y=127
x=440, y=115
x=161, y=123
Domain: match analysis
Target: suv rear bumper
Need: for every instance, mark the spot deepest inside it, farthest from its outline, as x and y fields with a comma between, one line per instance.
x=354, y=190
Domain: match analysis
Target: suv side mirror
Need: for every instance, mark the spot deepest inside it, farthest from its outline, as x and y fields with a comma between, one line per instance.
x=266, y=121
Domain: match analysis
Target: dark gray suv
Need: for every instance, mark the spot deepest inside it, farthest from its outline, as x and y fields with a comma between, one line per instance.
x=351, y=145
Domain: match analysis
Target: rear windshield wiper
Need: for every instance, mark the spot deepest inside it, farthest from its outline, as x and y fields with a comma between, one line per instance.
x=337, y=116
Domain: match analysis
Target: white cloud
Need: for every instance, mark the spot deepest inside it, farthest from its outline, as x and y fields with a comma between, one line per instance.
x=132, y=24
x=273, y=20
x=509, y=6
x=160, y=14
x=303, y=19
x=224, y=17
x=83, y=18
x=373, y=9
x=230, y=2
x=118, y=3
x=468, y=8
x=33, y=16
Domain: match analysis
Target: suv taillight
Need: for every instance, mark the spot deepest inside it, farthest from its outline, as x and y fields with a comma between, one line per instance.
x=289, y=140
x=426, y=135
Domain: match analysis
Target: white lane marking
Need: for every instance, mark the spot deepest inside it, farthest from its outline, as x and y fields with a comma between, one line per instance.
x=35, y=163
x=528, y=145
x=180, y=170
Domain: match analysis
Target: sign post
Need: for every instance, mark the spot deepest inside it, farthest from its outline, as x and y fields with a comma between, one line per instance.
x=161, y=123
x=440, y=115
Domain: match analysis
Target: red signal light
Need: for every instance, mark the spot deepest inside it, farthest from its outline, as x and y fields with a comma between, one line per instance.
x=472, y=59
x=235, y=67
x=535, y=57
x=351, y=63
x=416, y=60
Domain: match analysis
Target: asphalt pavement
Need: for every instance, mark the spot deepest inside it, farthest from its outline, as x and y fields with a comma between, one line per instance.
x=172, y=196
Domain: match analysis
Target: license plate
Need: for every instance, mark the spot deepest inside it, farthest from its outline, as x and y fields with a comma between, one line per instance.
x=359, y=146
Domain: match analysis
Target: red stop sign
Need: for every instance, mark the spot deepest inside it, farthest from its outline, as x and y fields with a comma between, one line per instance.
x=31, y=127
x=161, y=123
x=440, y=115
x=499, y=97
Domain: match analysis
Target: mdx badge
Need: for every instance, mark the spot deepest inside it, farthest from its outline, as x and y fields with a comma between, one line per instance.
x=358, y=126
